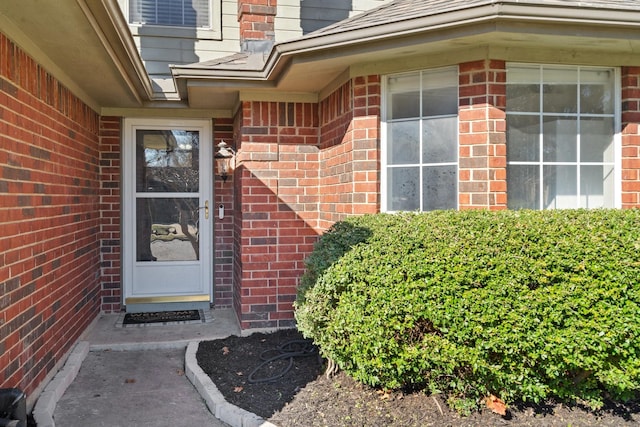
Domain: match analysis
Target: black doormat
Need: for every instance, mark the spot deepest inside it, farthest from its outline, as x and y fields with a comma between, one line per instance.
x=161, y=317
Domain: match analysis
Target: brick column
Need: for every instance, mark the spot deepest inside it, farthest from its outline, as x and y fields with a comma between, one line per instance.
x=110, y=242
x=223, y=228
x=277, y=205
x=482, y=126
x=256, y=19
x=630, y=137
x=349, y=155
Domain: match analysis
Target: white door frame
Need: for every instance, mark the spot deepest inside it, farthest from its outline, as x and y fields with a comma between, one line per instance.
x=166, y=273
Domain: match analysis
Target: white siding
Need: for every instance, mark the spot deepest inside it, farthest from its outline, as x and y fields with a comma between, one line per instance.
x=160, y=47
x=298, y=17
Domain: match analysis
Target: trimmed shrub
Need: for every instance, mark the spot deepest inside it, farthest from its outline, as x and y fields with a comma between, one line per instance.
x=524, y=305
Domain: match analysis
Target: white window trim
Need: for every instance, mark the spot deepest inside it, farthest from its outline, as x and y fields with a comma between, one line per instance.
x=617, y=137
x=214, y=32
x=383, y=149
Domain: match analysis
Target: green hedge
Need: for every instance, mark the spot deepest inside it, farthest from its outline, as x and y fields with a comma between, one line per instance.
x=525, y=305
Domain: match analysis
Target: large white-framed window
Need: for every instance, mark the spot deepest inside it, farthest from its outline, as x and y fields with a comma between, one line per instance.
x=562, y=136
x=199, y=19
x=420, y=141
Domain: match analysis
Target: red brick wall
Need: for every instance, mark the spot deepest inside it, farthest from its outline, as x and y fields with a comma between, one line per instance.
x=49, y=217
x=630, y=137
x=276, y=212
x=349, y=156
x=256, y=19
x=223, y=229
x=110, y=212
x=482, y=124
x=301, y=167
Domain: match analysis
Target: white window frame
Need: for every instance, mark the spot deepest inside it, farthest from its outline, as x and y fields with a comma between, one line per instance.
x=213, y=32
x=617, y=144
x=384, y=196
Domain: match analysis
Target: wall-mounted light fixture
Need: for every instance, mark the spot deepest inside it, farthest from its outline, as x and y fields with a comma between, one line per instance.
x=225, y=157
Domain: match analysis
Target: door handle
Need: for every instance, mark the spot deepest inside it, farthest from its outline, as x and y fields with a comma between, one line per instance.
x=206, y=209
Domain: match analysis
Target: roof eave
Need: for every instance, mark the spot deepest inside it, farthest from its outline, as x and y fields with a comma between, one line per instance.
x=317, y=44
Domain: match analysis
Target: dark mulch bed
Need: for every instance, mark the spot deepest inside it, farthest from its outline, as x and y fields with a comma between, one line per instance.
x=304, y=396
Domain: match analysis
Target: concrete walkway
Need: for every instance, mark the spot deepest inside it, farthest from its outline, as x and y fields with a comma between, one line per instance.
x=141, y=376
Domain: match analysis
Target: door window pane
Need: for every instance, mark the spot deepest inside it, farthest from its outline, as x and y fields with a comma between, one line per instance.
x=167, y=229
x=167, y=161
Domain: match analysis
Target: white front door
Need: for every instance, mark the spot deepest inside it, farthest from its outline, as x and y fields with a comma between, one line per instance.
x=167, y=232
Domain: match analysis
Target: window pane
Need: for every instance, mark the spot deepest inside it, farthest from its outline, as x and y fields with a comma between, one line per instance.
x=439, y=93
x=559, y=98
x=596, y=139
x=560, y=187
x=167, y=161
x=596, y=91
x=560, y=90
x=523, y=187
x=523, y=135
x=559, y=139
x=403, y=189
x=181, y=13
x=596, y=187
x=439, y=187
x=440, y=140
x=167, y=229
x=404, y=96
x=403, y=143
x=523, y=98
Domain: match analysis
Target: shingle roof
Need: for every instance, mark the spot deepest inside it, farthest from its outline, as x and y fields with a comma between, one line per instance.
x=396, y=12
x=402, y=10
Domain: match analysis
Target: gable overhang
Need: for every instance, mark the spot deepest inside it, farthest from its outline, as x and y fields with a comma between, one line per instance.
x=304, y=68
x=86, y=45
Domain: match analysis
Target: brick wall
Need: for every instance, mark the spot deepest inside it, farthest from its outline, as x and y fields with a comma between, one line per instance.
x=223, y=229
x=301, y=167
x=256, y=20
x=49, y=217
x=110, y=212
x=482, y=124
x=630, y=137
x=276, y=212
x=349, y=156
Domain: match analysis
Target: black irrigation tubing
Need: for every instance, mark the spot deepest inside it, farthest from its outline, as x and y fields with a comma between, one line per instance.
x=288, y=350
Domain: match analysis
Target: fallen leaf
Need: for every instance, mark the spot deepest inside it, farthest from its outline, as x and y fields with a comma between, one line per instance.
x=238, y=389
x=496, y=405
x=384, y=394
x=129, y=381
x=225, y=350
x=179, y=372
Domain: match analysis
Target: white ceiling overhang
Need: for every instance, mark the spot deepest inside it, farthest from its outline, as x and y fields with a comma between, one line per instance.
x=85, y=44
x=302, y=69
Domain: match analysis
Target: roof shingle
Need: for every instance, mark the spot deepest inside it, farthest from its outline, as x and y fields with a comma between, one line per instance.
x=402, y=10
